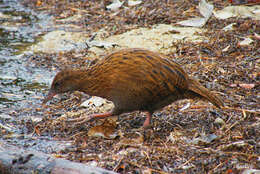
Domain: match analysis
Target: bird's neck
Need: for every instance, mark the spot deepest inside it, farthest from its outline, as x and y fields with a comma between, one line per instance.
x=90, y=81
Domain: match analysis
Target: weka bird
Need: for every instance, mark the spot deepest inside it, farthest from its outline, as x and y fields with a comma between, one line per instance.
x=133, y=79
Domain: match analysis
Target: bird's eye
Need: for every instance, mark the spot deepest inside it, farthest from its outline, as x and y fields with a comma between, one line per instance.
x=56, y=85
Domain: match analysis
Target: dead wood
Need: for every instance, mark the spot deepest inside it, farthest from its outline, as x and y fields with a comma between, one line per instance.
x=20, y=161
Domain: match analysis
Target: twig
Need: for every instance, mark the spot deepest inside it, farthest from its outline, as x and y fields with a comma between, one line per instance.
x=158, y=171
x=209, y=150
x=6, y=128
x=119, y=162
x=213, y=170
x=199, y=106
x=192, y=158
x=241, y=153
x=234, y=124
x=77, y=134
x=239, y=109
x=148, y=158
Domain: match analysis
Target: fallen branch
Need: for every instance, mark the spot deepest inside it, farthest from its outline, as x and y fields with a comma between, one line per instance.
x=20, y=161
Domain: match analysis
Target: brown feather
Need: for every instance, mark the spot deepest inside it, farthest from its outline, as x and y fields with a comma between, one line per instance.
x=134, y=79
x=196, y=90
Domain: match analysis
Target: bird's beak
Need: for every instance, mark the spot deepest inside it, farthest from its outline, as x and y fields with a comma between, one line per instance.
x=49, y=96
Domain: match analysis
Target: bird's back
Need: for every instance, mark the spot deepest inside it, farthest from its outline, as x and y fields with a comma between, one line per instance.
x=141, y=80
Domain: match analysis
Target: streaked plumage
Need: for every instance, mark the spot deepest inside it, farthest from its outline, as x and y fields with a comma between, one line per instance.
x=133, y=79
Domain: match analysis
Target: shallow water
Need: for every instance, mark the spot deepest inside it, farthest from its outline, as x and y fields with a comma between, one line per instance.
x=19, y=28
x=22, y=83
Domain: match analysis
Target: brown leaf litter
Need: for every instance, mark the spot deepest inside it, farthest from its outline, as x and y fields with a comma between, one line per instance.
x=226, y=146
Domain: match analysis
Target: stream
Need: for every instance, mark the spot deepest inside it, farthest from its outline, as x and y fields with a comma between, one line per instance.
x=22, y=84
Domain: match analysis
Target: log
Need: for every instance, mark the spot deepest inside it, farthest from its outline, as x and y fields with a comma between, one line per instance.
x=15, y=160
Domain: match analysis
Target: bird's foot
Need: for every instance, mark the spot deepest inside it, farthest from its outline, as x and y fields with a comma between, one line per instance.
x=82, y=120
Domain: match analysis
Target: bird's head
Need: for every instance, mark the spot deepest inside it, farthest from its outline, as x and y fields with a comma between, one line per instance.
x=64, y=81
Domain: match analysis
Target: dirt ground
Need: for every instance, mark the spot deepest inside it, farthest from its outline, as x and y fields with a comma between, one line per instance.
x=184, y=139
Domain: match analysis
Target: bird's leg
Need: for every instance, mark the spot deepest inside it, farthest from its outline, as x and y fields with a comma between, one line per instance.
x=147, y=120
x=82, y=120
x=147, y=125
x=102, y=115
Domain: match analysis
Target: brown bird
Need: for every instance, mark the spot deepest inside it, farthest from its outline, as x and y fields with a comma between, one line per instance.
x=133, y=79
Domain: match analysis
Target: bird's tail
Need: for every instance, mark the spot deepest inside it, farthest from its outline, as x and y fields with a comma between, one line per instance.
x=196, y=90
